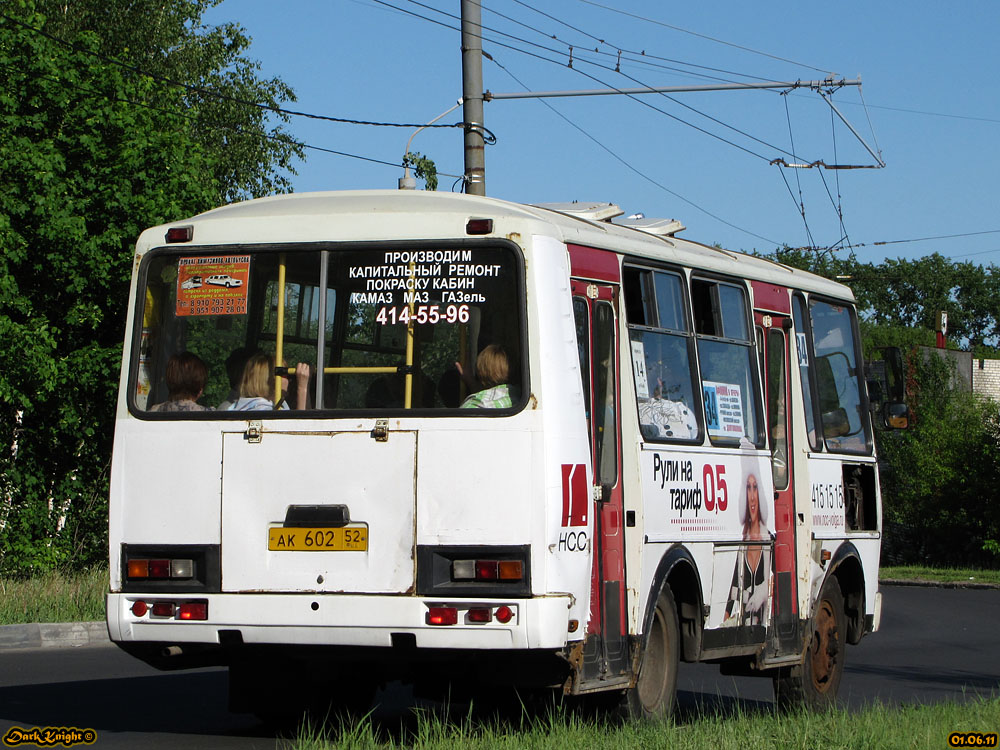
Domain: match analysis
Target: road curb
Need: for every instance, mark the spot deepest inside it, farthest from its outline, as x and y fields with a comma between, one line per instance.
x=54, y=635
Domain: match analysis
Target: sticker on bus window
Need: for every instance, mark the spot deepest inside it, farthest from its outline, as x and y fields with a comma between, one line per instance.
x=639, y=364
x=800, y=344
x=723, y=409
x=214, y=285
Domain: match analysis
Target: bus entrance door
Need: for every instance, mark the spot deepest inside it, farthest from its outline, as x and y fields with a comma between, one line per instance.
x=606, y=648
x=784, y=635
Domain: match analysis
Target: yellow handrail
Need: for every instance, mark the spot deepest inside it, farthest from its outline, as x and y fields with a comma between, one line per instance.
x=408, y=388
x=279, y=334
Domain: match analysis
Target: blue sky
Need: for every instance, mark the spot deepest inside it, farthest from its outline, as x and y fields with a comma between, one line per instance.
x=927, y=69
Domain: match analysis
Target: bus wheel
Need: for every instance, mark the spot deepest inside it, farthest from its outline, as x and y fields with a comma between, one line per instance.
x=656, y=687
x=814, y=684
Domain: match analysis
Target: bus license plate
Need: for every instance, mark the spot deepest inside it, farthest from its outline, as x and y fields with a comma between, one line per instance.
x=317, y=539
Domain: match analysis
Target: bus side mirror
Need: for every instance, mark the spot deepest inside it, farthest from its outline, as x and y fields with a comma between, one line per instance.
x=887, y=389
x=895, y=374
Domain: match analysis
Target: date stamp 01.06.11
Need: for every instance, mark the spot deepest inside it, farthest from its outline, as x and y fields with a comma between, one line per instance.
x=972, y=739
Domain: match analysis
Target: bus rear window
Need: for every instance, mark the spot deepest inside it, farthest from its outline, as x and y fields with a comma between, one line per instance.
x=378, y=328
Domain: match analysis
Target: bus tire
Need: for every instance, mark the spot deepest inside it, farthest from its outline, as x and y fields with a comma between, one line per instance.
x=656, y=686
x=814, y=684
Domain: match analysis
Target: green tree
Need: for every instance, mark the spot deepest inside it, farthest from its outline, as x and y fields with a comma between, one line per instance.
x=938, y=489
x=423, y=167
x=939, y=476
x=908, y=294
x=91, y=152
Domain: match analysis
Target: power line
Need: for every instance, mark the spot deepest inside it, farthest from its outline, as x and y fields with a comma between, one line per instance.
x=604, y=83
x=285, y=139
x=925, y=239
x=981, y=252
x=631, y=167
x=702, y=36
x=218, y=94
x=924, y=112
x=620, y=50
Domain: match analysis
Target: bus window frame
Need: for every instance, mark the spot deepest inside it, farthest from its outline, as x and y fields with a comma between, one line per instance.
x=863, y=402
x=814, y=438
x=134, y=336
x=756, y=382
x=649, y=288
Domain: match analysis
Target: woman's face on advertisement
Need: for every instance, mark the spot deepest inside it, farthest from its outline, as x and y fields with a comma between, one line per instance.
x=753, y=499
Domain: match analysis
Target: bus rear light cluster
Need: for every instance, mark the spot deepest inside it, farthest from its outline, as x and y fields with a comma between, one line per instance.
x=160, y=569
x=197, y=610
x=487, y=570
x=477, y=615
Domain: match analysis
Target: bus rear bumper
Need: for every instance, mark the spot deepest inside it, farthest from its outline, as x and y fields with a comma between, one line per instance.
x=341, y=620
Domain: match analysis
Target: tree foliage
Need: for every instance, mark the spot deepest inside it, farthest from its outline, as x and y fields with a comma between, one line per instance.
x=938, y=491
x=939, y=477
x=424, y=168
x=908, y=294
x=91, y=152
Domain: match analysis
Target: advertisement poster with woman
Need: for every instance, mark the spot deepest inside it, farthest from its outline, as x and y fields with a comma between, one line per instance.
x=726, y=499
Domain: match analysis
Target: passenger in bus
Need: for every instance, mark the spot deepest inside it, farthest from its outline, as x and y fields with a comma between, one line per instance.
x=186, y=377
x=662, y=418
x=234, y=371
x=257, y=383
x=751, y=585
x=492, y=372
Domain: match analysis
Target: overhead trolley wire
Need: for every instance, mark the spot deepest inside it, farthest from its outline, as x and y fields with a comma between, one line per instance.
x=838, y=206
x=926, y=239
x=703, y=36
x=800, y=204
x=598, y=80
x=641, y=53
x=633, y=168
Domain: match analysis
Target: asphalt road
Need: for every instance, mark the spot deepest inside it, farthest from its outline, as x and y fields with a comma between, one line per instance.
x=935, y=645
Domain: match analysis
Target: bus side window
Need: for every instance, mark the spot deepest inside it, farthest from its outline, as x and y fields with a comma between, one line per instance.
x=661, y=344
x=838, y=378
x=805, y=370
x=725, y=355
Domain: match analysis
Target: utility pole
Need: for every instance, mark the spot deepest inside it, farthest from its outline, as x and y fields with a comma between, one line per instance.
x=472, y=94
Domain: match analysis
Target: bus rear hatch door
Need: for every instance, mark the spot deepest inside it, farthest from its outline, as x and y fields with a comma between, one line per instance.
x=318, y=512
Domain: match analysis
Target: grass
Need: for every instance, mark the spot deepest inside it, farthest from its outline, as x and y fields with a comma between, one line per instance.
x=54, y=597
x=939, y=575
x=908, y=727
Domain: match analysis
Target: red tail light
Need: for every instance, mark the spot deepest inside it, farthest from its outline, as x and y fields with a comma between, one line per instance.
x=194, y=611
x=486, y=570
x=164, y=609
x=504, y=614
x=139, y=608
x=480, y=614
x=159, y=568
x=442, y=616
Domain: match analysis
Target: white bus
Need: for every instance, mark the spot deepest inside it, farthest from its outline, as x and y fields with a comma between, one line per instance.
x=541, y=446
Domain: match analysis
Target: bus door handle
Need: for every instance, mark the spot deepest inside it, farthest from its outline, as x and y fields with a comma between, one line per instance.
x=602, y=492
